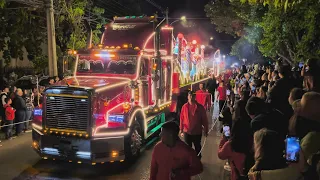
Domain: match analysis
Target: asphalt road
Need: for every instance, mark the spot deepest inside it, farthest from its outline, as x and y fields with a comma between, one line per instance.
x=19, y=162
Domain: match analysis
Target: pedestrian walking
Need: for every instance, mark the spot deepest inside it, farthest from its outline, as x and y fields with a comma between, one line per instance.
x=203, y=97
x=222, y=90
x=212, y=86
x=172, y=159
x=193, y=121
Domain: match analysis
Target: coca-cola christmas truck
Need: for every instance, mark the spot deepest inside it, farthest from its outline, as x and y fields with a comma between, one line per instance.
x=121, y=93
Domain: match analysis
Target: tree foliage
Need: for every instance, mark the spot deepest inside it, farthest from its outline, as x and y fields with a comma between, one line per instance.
x=24, y=27
x=285, y=4
x=291, y=34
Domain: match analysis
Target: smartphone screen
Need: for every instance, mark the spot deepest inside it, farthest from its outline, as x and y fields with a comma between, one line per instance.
x=226, y=131
x=292, y=149
x=228, y=92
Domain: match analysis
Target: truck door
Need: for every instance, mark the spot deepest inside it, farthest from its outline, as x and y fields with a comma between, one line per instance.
x=145, y=76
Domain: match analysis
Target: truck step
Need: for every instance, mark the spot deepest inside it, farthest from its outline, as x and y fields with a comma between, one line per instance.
x=154, y=130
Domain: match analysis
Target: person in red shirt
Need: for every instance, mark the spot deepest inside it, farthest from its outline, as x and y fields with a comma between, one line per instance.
x=203, y=97
x=193, y=120
x=235, y=148
x=9, y=115
x=222, y=90
x=172, y=159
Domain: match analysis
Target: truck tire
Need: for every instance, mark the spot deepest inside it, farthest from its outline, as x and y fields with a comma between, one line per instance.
x=133, y=142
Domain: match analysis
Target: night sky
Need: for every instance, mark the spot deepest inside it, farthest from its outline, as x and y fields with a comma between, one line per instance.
x=200, y=28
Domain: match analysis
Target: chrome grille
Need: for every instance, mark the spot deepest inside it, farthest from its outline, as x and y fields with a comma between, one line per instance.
x=67, y=112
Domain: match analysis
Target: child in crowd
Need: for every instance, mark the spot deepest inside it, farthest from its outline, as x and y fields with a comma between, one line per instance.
x=9, y=112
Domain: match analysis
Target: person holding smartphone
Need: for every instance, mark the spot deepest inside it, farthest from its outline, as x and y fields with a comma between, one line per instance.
x=270, y=162
x=235, y=146
x=305, y=126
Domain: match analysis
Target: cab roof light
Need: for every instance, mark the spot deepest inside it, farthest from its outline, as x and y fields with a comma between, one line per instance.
x=118, y=47
x=125, y=46
x=137, y=48
x=104, y=55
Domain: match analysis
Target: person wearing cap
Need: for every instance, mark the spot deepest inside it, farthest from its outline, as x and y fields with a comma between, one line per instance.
x=203, y=97
x=172, y=159
x=193, y=120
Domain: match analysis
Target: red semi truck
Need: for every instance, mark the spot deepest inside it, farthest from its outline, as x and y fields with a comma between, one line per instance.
x=120, y=94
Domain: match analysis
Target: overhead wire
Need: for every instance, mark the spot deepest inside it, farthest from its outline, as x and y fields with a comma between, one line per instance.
x=108, y=8
x=122, y=5
x=114, y=5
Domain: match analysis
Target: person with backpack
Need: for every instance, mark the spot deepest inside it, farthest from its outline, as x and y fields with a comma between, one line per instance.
x=236, y=149
x=10, y=115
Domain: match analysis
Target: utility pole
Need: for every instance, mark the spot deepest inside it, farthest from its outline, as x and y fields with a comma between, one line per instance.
x=52, y=52
x=167, y=16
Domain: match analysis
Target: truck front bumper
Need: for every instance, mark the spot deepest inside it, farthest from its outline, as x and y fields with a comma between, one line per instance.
x=79, y=150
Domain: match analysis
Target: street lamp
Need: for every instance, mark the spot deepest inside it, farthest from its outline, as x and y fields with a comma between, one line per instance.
x=211, y=38
x=182, y=18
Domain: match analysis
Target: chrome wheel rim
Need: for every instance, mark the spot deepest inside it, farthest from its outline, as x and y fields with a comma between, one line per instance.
x=135, y=141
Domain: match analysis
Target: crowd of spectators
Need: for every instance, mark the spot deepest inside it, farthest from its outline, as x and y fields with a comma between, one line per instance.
x=17, y=107
x=265, y=105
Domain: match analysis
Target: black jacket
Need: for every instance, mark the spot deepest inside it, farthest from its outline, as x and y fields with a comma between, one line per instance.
x=212, y=85
x=273, y=120
x=19, y=104
x=279, y=94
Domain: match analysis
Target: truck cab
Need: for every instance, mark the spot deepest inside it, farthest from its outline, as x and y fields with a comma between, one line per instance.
x=121, y=92
x=119, y=96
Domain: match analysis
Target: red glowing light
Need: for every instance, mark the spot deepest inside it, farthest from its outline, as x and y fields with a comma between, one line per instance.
x=180, y=35
x=194, y=42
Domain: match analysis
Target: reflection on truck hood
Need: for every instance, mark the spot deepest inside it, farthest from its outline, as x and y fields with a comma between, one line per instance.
x=93, y=82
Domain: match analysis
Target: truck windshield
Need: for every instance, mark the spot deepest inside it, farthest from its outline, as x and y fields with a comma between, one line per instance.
x=107, y=66
x=118, y=34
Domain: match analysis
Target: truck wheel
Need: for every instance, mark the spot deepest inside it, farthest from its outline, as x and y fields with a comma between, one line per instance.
x=133, y=141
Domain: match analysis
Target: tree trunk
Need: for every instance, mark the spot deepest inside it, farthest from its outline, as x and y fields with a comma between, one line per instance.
x=286, y=59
